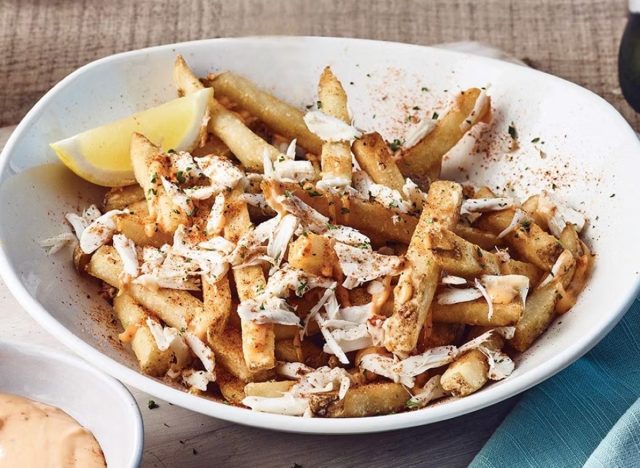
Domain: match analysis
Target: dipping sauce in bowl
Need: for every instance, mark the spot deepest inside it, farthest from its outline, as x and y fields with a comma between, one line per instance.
x=33, y=434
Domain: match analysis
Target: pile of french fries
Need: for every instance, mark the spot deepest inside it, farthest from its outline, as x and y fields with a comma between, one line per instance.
x=294, y=264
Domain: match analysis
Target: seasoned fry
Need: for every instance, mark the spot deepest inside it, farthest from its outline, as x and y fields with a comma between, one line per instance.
x=121, y=197
x=483, y=239
x=422, y=162
x=132, y=318
x=216, y=297
x=258, y=340
x=226, y=125
x=232, y=388
x=466, y=374
x=149, y=164
x=335, y=156
x=372, y=218
x=268, y=389
x=227, y=347
x=313, y=254
x=365, y=400
x=477, y=313
x=417, y=283
x=374, y=156
x=174, y=307
x=275, y=113
x=135, y=228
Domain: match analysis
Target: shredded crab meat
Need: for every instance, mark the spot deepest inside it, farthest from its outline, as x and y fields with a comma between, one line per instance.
x=329, y=128
x=323, y=379
x=215, y=220
x=388, y=197
x=432, y=390
x=80, y=222
x=413, y=194
x=280, y=238
x=287, y=404
x=456, y=296
x=169, y=337
x=474, y=115
x=560, y=266
x=362, y=264
x=56, y=243
x=332, y=183
x=177, y=196
x=559, y=215
x=127, y=251
x=184, y=164
x=452, y=280
x=255, y=199
x=292, y=370
x=220, y=171
x=330, y=291
x=487, y=297
x=500, y=365
x=99, y=232
x=269, y=310
x=330, y=342
x=287, y=170
x=351, y=338
x=202, y=351
x=518, y=217
x=482, y=205
x=425, y=127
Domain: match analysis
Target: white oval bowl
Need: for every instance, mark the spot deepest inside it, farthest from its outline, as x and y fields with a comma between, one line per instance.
x=590, y=153
x=97, y=401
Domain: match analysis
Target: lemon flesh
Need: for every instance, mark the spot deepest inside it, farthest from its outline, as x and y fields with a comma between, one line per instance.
x=101, y=155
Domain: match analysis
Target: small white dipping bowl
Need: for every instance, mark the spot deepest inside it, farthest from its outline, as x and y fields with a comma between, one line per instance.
x=97, y=401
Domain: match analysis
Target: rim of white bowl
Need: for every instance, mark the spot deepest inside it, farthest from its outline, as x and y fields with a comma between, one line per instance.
x=110, y=385
x=450, y=409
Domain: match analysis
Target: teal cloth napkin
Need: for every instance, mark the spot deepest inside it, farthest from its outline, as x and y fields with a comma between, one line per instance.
x=588, y=414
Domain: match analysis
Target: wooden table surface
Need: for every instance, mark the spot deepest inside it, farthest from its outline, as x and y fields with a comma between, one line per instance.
x=42, y=41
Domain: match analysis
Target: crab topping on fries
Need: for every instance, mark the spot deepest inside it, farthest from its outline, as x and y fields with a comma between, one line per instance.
x=297, y=265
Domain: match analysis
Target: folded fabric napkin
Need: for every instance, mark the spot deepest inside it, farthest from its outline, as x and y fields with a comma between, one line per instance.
x=588, y=414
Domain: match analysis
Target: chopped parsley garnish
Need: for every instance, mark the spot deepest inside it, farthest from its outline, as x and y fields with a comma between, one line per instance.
x=393, y=204
x=344, y=210
x=416, y=107
x=281, y=158
x=287, y=193
x=395, y=145
x=154, y=178
x=152, y=405
x=513, y=133
x=313, y=192
x=171, y=151
x=411, y=403
x=424, y=89
x=331, y=226
x=259, y=289
x=535, y=140
x=180, y=176
x=319, y=104
x=526, y=225
x=364, y=245
x=435, y=116
x=612, y=195
x=309, y=106
x=368, y=75
x=301, y=289
x=152, y=191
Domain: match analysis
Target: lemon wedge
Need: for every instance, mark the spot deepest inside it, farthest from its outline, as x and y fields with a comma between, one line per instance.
x=101, y=155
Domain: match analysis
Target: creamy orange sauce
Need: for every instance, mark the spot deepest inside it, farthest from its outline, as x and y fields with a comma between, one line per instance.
x=127, y=335
x=378, y=299
x=33, y=434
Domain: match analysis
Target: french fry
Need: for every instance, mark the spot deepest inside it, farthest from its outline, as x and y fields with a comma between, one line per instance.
x=459, y=257
x=466, y=374
x=258, y=340
x=486, y=240
x=149, y=164
x=135, y=228
x=225, y=124
x=541, y=305
x=175, y=308
x=516, y=267
x=439, y=334
x=335, y=156
x=584, y=262
x=313, y=254
x=227, y=347
x=139, y=208
x=231, y=387
x=121, y=197
x=216, y=299
x=417, y=283
x=423, y=161
x=373, y=155
x=528, y=239
x=275, y=113
x=292, y=350
x=477, y=313
x=272, y=389
x=132, y=317
x=372, y=218
x=364, y=400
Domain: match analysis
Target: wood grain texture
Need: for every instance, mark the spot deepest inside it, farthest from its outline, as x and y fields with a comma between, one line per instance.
x=42, y=41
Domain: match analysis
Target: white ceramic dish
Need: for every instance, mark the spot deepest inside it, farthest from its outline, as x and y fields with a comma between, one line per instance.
x=95, y=400
x=589, y=154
